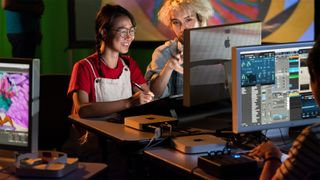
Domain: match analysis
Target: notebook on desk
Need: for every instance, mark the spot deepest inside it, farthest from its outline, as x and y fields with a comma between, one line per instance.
x=202, y=143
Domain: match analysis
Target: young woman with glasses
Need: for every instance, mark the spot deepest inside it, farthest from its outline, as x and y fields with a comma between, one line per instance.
x=102, y=83
x=105, y=82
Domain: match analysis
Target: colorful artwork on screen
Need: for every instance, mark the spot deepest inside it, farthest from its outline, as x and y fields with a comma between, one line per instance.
x=14, y=99
x=279, y=17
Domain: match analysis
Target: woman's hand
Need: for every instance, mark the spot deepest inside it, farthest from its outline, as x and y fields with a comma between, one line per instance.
x=266, y=150
x=175, y=63
x=146, y=97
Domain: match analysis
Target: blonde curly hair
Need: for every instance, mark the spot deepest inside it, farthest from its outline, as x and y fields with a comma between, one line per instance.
x=202, y=8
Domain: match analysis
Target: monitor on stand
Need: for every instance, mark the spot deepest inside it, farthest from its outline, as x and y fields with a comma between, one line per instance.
x=19, y=106
x=271, y=88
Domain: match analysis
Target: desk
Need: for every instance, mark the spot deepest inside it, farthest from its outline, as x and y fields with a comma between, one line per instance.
x=188, y=116
x=116, y=131
x=183, y=163
x=84, y=171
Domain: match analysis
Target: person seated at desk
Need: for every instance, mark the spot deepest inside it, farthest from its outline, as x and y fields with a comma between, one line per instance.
x=102, y=83
x=165, y=71
x=303, y=161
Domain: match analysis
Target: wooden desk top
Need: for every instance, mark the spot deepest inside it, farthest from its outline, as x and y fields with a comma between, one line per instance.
x=185, y=162
x=116, y=131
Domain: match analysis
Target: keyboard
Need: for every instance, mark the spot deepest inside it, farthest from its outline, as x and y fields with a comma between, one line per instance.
x=257, y=159
x=229, y=165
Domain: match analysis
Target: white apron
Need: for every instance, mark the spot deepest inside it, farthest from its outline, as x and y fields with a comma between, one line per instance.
x=107, y=90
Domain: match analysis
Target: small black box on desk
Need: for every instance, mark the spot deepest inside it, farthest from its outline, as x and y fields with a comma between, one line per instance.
x=228, y=165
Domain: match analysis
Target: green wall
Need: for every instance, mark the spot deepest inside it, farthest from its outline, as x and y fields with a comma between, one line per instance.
x=4, y=44
x=55, y=56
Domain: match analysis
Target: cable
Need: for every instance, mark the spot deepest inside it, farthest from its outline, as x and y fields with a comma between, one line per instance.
x=158, y=131
x=281, y=135
x=151, y=140
x=193, y=169
x=155, y=144
x=157, y=135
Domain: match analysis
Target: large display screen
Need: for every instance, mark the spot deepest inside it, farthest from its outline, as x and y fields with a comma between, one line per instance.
x=279, y=17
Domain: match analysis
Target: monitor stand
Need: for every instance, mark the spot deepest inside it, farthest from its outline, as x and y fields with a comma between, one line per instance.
x=217, y=123
x=280, y=137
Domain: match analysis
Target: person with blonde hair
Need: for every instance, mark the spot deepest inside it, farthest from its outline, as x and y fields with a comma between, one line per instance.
x=165, y=71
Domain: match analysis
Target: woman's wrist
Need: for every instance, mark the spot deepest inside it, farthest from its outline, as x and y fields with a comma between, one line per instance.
x=132, y=101
x=274, y=153
x=272, y=159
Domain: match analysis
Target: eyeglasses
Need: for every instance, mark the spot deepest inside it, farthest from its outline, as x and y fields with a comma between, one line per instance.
x=124, y=32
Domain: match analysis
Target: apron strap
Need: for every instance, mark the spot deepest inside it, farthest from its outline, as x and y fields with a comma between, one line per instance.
x=124, y=63
x=91, y=67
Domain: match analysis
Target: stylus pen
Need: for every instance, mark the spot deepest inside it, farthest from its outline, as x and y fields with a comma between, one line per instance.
x=138, y=86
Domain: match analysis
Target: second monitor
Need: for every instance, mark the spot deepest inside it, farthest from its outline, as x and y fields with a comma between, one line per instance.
x=205, y=52
x=271, y=87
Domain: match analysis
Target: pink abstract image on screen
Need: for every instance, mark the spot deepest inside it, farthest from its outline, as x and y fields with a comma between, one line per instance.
x=14, y=100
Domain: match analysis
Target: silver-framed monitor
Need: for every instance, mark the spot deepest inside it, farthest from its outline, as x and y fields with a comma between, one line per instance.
x=271, y=87
x=207, y=57
x=19, y=104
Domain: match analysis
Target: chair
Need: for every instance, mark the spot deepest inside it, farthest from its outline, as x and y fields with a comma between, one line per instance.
x=54, y=109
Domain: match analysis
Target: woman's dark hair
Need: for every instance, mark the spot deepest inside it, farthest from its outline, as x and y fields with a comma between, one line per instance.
x=105, y=20
x=313, y=61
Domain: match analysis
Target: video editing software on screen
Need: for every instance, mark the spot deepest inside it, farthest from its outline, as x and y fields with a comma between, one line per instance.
x=275, y=86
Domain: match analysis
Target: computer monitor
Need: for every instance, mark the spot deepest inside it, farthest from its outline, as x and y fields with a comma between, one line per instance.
x=271, y=87
x=207, y=50
x=19, y=104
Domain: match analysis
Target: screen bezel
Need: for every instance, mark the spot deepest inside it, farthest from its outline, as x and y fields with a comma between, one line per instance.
x=236, y=89
x=33, y=110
